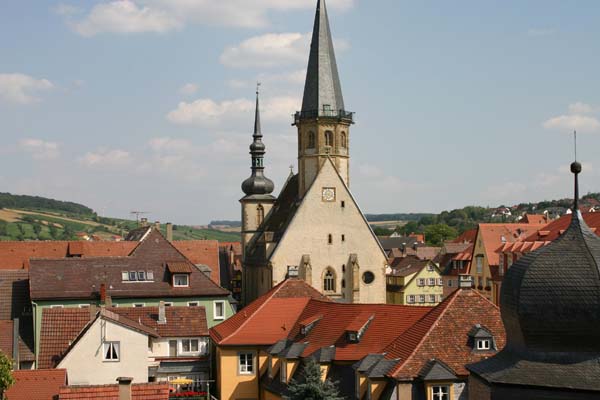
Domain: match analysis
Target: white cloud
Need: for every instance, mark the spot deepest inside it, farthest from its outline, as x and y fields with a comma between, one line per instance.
x=22, y=89
x=268, y=50
x=569, y=123
x=40, y=149
x=106, y=158
x=230, y=112
x=129, y=16
x=580, y=108
x=188, y=89
x=125, y=16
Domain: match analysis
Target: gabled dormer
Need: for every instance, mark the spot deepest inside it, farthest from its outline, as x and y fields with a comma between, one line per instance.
x=308, y=324
x=481, y=339
x=357, y=328
x=179, y=273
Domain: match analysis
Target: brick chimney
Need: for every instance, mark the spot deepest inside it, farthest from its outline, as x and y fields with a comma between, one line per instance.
x=465, y=281
x=144, y=222
x=169, y=231
x=105, y=298
x=124, y=387
x=157, y=225
x=162, y=313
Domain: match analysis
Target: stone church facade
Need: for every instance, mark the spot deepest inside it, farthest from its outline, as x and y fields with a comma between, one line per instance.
x=314, y=228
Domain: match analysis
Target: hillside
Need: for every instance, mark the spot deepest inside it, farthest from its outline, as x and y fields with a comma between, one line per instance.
x=38, y=218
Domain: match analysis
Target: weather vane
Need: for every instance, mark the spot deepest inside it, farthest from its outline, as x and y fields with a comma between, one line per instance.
x=575, y=143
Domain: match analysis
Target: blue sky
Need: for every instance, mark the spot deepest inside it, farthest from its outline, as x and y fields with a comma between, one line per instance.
x=147, y=104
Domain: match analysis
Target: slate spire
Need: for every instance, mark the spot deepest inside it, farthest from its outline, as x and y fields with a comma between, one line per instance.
x=322, y=88
x=257, y=183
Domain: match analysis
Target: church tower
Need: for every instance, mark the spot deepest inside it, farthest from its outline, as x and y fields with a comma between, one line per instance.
x=258, y=200
x=323, y=123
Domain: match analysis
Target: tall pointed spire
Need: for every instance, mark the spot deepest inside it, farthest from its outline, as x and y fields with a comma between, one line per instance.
x=257, y=183
x=322, y=88
x=576, y=170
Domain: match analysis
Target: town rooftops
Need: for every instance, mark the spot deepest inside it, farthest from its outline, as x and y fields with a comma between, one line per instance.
x=139, y=391
x=62, y=327
x=443, y=334
x=15, y=303
x=82, y=278
x=269, y=318
x=407, y=266
x=37, y=384
x=493, y=235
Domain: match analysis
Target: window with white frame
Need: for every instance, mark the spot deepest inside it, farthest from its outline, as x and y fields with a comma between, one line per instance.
x=430, y=267
x=139, y=305
x=421, y=298
x=246, y=363
x=479, y=264
x=111, y=351
x=189, y=346
x=193, y=304
x=432, y=298
x=441, y=392
x=181, y=280
x=219, y=309
x=483, y=344
x=168, y=304
x=431, y=281
x=411, y=298
x=440, y=282
x=421, y=282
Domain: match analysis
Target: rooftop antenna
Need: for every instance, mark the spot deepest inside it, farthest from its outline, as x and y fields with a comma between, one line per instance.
x=137, y=215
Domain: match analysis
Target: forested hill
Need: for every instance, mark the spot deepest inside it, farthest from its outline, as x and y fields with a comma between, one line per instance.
x=8, y=200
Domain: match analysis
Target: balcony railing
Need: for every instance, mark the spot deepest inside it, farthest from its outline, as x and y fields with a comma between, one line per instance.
x=341, y=115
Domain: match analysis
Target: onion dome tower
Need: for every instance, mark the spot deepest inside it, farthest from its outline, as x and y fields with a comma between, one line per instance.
x=550, y=298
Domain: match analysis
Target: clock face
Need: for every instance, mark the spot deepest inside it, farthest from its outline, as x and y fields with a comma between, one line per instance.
x=328, y=194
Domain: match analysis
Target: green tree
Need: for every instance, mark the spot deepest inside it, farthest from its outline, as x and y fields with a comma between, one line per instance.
x=37, y=229
x=435, y=235
x=6, y=378
x=311, y=387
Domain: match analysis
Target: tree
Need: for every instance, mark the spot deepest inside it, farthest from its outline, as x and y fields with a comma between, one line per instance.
x=437, y=234
x=6, y=378
x=310, y=386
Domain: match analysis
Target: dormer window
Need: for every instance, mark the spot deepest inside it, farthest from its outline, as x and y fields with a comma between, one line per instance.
x=358, y=327
x=308, y=324
x=483, y=344
x=181, y=280
x=481, y=339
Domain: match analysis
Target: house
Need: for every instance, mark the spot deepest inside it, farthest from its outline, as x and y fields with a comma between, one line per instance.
x=427, y=360
x=37, y=384
x=315, y=225
x=413, y=281
x=484, y=266
x=96, y=346
x=551, y=310
x=262, y=345
x=534, y=219
x=154, y=271
x=454, y=260
x=230, y=260
x=16, y=323
x=123, y=390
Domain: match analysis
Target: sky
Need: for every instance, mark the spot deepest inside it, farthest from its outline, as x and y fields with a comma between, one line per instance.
x=148, y=104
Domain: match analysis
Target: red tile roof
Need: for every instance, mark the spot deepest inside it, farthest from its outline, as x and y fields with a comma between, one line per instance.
x=493, y=235
x=181, y=321
x=442, y=334
x=269, y=318
x=139, y=391
x=467, y=236
x=37, y=384
x=59, y=328
x=6, y=338
x=388, y=321
x=534, y=219
x=202, y=252
x=81, y=278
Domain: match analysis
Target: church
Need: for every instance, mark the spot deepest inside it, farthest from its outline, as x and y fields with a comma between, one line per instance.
x=314, y=229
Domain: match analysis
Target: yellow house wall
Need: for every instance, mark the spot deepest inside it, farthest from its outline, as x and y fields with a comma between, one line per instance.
x=232, y=384
x=324, y=371
x=363, y=385
x=413, y=289
x=377, y=387
x=479, y=249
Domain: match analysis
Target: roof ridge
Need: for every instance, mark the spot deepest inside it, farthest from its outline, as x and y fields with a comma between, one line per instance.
x=449, y=300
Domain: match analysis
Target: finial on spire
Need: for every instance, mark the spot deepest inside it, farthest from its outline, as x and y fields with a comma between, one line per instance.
x=576, y=170
x=257, y=131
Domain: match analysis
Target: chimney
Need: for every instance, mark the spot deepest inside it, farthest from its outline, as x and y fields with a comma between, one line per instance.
x=15, y=354
x=465, y=282
x=144, y=222
x=93, y=311
x=157, y=225
x=124, y=387
x=105, y=298
x=162, y=313
x=169, y=231
x=293, y=271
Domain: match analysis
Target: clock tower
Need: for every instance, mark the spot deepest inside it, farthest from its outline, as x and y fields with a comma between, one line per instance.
x=323, y=123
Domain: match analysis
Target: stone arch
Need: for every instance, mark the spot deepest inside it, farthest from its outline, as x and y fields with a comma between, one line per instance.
x=329, y=138
x=311, y=140
x=260, y=215
x=329, y=280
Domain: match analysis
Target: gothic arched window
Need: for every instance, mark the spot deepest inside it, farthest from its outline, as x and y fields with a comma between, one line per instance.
x=311, y=140
x=344, y=140
x=329, y=281
x=260, y=214
x=329, y=138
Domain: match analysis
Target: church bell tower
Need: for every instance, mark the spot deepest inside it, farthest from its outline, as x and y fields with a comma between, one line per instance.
x=323, y=123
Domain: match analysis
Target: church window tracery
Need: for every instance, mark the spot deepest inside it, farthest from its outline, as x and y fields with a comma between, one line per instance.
x=329, y=281
x=344, y=140
x=329, y=138
x=260, y=214
x=311, y=140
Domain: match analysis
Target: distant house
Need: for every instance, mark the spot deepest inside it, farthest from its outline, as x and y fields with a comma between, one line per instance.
x=155, y=270
x=230, y=260
x=412, y=281
x=146, y=344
